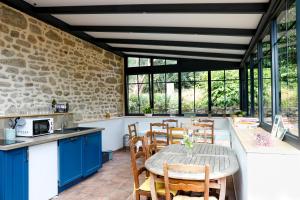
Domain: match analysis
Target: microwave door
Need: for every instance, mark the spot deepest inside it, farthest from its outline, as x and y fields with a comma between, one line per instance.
x=41, y=127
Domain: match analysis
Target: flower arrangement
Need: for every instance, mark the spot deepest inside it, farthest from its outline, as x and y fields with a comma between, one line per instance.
x=188, y=143
x=263, y=139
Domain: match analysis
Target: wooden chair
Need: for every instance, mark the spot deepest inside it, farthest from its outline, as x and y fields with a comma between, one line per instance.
x=138, y=158
x=204, y=133
x=171, y=122
x=159, y=131
x=176, y=134
x=132, y=130
x=150, y=148
x=186, y=185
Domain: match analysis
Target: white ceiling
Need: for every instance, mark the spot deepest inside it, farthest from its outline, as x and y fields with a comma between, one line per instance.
x=201, y=20
x=178, y=48
x=181, y=56
x=246, y=21
x=122, y=2
x=173, y=37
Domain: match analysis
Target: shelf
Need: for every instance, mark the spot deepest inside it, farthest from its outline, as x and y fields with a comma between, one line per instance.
x=32, y=115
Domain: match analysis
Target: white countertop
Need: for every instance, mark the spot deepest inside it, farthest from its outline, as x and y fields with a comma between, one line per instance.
x=247, y=140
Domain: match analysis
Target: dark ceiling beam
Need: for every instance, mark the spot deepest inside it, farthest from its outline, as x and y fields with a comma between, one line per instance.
x=274, y=6
x=171, y=30
x=185, y=53
x=47, y=18
x=248, y=8
x=175, y=43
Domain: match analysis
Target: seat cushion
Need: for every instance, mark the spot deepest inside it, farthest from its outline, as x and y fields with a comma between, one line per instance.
x=160, y=187
x=181, y=197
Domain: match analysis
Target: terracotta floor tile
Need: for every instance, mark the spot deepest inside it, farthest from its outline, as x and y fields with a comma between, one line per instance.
x=113, y=182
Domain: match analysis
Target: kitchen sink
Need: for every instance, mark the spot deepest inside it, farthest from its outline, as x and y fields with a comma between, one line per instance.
x=72, y=130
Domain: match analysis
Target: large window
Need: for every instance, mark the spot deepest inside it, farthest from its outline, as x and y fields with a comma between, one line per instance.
x=138, y=93
x=267, y=80
x=225, y=86
x=165, y=88
x=194, y=92
x=288, y=95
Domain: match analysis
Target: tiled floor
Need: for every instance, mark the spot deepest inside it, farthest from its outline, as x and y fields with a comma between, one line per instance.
x=112, y=182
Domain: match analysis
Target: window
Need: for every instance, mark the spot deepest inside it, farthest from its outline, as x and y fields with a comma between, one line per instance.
x=232, y=91
x=138, y=62
x=138, y=93
x=165, y=89
x=225, y=86
x=267, y=80
x=194, y=89
x=287, y=51
x=159, y=62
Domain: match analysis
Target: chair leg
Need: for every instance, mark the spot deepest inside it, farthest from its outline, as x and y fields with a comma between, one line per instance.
x=137, y=196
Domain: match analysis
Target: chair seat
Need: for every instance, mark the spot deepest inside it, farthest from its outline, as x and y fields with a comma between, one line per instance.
x=181, y=197
x=160, y=187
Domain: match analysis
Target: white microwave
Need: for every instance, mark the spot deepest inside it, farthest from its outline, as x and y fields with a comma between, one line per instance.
x=35, y=127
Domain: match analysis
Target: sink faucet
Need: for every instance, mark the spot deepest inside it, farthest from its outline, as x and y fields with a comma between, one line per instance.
x=63, y=123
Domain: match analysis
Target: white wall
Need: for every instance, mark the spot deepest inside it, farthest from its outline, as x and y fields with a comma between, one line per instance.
x=115, y=128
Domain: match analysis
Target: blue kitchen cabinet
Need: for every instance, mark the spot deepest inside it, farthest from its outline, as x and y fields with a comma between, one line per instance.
x=92, y=153
x=79, y=157
x=14, y=174
x=70, y=160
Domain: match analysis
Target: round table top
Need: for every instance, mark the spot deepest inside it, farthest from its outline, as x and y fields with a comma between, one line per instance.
x=222, y=160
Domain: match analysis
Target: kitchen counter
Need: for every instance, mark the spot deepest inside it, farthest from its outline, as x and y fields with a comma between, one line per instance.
x=45, y=139
x=247, y=139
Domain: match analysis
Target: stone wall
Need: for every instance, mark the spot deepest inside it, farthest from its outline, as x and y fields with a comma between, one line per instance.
x=39, y=62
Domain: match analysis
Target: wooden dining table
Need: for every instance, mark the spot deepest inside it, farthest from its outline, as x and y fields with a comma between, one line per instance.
x=222, y=161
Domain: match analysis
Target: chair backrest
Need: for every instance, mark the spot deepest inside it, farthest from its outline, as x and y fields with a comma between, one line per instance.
x=136, y=154
x=171, y=122
x=186, y=185
x=206, y=121
x=150, y=147
x=159, y=129
x=176, y=134
x=206, y=131
x=132, y=130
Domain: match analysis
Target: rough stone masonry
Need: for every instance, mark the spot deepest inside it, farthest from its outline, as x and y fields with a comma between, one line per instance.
x=39, y=62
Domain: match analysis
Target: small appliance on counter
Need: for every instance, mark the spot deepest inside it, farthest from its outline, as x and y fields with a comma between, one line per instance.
x=32, y=127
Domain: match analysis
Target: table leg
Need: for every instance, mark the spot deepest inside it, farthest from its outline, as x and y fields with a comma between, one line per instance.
x=152, y=187
x=223, y=188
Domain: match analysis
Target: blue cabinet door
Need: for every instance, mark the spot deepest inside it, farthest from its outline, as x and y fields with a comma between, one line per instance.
x=70, y=160
x=14, y=174
x=92, y=153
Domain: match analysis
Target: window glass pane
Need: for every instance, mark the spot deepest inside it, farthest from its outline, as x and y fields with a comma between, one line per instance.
x=144, y=62
x=218, y=97
x=132, y=78
x=159, y=62
x=201, y=97
x=187, y=76
x=171, y=62
x=232, y=90
x=288, y=68
x=201, y=76
x=267, y=81
x=232, y=74
x=217, y=75
x=133, y=62
x=143, y=78
x=144, y=97
x=255, y=71
x=133, y=98
x=159, y=77
x=172, y=77
x=172, y=98
x=159, y=90
x=187, y=97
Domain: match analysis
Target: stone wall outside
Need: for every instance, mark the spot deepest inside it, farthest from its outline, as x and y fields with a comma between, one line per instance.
x=39, y=62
